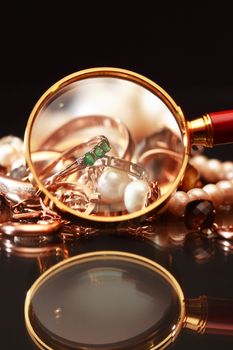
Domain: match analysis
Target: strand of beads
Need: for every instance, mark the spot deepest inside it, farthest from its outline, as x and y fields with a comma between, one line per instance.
x=213, y=170
x=219, y=191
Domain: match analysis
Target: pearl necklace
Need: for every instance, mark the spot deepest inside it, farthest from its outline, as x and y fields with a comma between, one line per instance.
x=219, y=191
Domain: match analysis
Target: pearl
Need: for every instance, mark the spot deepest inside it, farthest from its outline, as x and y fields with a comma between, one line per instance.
x=14, y=141
x=178, y=202
x=227, y=167
x=135, y=195
x=199, y=162
x=227, y=188
x=213, y=171
x=197, y=193
x=229, y=176
x=111, y=185
x=227, y=170
x=11, y=148
x=215, y=194
x=7, y=155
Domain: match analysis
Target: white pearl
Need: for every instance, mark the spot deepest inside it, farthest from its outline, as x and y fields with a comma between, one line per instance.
x=11, y=148
x=7, y=155
x=14, y=141
x=112, y=184
x=135, y=195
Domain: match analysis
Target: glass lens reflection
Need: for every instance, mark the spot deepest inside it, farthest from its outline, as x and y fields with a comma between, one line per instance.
x=105, y=303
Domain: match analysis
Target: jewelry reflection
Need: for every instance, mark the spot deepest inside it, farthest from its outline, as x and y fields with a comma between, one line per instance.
x=58, y=313
x=127, y=301
x=45, y=250
x=201, y=242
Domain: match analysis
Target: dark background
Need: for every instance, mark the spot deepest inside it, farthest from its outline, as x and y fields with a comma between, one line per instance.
x=185, y=47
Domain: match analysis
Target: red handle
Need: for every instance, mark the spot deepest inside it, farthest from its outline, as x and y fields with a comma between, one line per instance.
x=220, y=316
x=222, y=123
x=209, y=315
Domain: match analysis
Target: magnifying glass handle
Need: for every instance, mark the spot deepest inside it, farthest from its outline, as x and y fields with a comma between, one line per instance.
x=212, y=129
x=209, y=315
x=222, y=123
x=220, y=316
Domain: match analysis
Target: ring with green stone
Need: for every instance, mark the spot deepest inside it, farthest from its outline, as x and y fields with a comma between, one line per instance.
x=97, y=152
x=98, y=145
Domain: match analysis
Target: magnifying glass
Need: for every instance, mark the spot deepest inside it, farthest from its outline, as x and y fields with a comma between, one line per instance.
x=116, y=300
x=99, y=114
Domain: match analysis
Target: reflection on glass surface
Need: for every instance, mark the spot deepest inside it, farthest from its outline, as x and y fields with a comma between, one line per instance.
x=104, y=302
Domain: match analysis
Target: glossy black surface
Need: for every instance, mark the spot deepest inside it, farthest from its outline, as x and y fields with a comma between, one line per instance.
x=208, y=276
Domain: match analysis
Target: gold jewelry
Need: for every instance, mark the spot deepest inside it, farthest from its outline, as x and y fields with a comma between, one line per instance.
x=105, y=187
x=99, y=147
x=42, y=228
x=80, y=124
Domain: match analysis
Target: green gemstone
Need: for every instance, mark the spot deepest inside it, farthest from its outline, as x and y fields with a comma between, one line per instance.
x=99, y=152
x=105, y=146
x=89, y=159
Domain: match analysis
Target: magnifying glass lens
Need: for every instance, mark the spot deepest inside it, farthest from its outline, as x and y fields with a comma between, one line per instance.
x=124, y=107
x=104, y=303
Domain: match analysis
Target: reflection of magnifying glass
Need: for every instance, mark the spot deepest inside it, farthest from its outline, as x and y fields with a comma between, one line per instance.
x=149, y=113
x=116, y=300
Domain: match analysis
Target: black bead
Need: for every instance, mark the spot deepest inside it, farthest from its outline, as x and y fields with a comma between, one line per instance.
x=199, y=214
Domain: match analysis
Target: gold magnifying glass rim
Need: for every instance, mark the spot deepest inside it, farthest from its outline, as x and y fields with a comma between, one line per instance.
x=99, y=255
x=112, y=73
